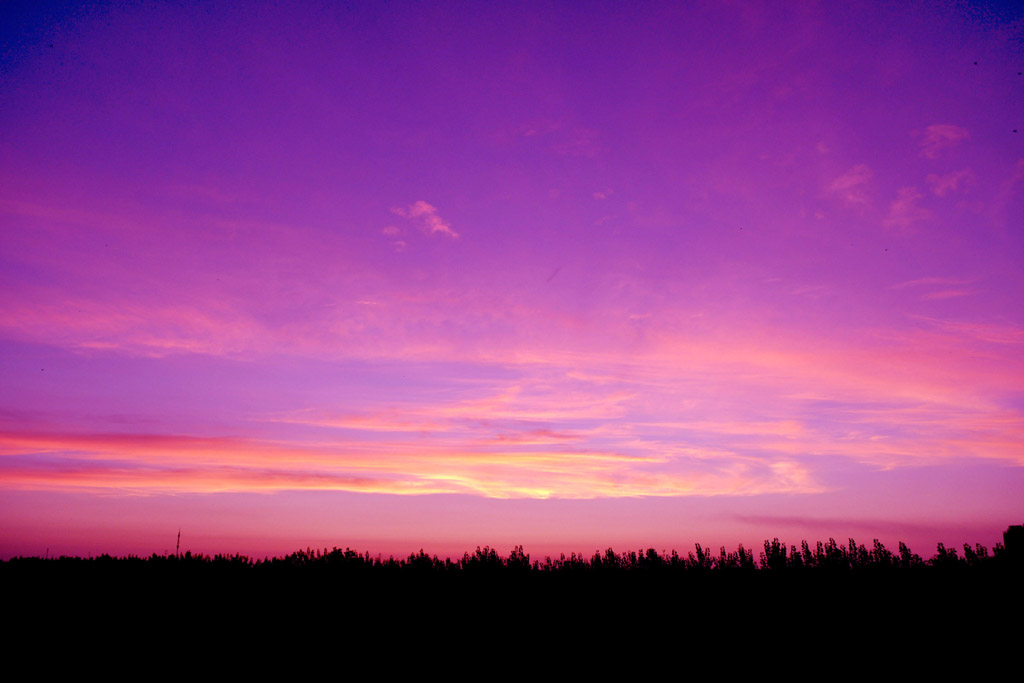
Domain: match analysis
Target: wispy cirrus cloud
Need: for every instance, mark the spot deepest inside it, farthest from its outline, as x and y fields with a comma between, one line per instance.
x=1009, y=189
x=427, y=217
x=684, y=417
x=949, y=287
x=156, y=463
x=945, y=294
x=536, y=436
x=940, y=136
x=985, y=332
x=950, y=182
x=134, y=327
x=852, y=187
x=930, y=281
x=392, y=232
x=904, y=211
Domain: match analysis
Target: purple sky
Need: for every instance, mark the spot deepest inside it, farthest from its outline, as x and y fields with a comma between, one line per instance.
x=564, y=275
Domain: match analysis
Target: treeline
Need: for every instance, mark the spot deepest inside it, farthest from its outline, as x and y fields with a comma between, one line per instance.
x=823, y=597
x=774, y=557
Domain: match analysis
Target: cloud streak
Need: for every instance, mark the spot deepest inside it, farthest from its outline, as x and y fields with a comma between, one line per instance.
x=941, y=136
x=950, y=182
x=428, y=219
x=852, y=187
x=146, y=463
x=904, y=211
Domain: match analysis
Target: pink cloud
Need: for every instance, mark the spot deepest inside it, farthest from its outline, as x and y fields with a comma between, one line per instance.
x=1008, y=191
x=939, y=136
x=430, y=221
x=155, y=463
x=950, y=287
x=132, y=326
x=945, y=294
x=536, y=436
x=904, y=211
x=950, y=182
x=985, y=332
x=923, y=281
x=690, y=414
x=851, y=187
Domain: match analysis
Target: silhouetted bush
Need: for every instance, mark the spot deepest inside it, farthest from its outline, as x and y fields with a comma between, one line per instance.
x=338, y=570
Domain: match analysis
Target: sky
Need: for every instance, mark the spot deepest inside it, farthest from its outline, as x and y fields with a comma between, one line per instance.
x=564, y=275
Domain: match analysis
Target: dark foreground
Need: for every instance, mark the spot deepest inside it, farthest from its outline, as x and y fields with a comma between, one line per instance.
x=822, y=601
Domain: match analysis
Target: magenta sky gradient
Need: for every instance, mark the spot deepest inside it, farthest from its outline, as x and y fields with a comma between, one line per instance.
x=566, y=275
